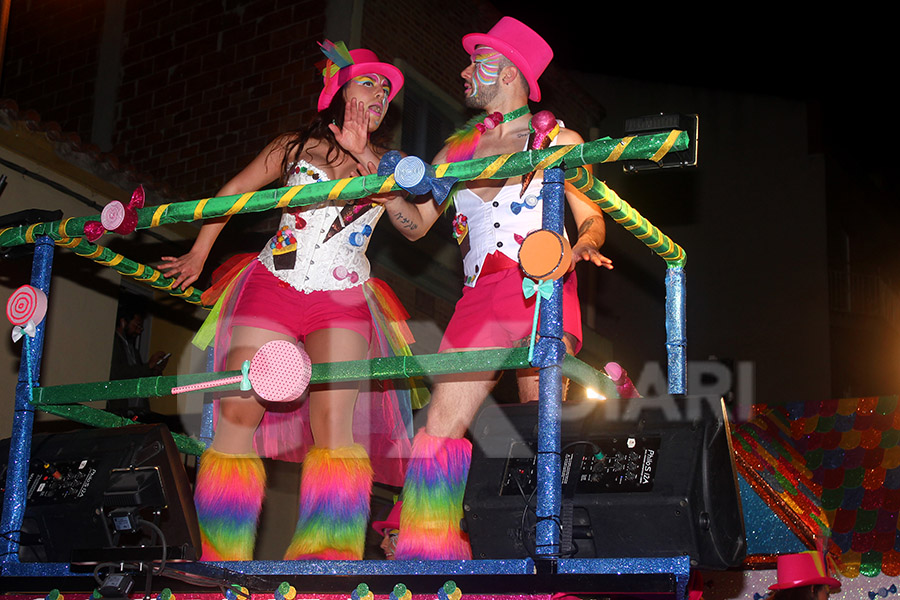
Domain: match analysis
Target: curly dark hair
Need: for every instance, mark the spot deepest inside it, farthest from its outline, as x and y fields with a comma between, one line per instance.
x=318, y=129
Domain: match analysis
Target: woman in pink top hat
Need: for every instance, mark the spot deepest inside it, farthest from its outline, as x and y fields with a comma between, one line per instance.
x=803, y=576
x=309, y=284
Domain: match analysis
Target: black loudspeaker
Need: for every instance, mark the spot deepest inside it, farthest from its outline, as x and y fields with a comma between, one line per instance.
x=106, y=495
x=641, y=478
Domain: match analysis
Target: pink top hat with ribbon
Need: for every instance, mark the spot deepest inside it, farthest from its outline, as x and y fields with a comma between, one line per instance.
x=363, y=62
x=392, y=521
x=805, y=568
x=520, y=44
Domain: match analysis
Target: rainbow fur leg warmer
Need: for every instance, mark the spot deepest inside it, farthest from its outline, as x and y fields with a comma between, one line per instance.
x=432, y=500
x=334, y=505
x=229, y=494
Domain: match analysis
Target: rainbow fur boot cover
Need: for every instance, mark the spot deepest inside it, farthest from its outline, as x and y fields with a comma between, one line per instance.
x=432, y=500
x=229, y=494
x=334, y=505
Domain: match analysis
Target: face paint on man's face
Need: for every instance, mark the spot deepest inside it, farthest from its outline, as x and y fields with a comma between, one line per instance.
x=487, y=68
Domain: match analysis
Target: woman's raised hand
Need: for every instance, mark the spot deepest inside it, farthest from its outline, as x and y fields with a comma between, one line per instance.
x=354, y=135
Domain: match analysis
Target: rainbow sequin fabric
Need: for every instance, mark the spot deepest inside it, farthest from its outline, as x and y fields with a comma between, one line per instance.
x=831, y=466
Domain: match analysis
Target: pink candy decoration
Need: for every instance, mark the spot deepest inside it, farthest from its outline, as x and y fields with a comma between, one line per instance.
x=117, y=217
x=280, y=371
x=26, y=304
x=341, y=272
x=93, y=230
x=490, y=121
x=619, y=376
x=543, y=123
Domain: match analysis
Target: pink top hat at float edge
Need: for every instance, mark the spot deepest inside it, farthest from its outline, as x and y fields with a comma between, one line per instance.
x=520, y=44
x=364, y=61
x=392, y=521
x=805, y=568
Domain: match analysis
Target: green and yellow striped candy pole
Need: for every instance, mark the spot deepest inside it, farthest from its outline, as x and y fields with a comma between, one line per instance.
x=650, y=147
x=623, y=214
x=108, y=258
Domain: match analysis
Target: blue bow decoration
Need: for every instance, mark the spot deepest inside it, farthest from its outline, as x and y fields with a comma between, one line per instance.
x=883, y=592
x=415, y=176
x=388, y=162
x=543, y=289
x=530, y=201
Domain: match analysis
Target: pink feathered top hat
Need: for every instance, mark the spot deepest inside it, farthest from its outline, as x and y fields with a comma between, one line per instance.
x=805, y=568
x=364, y=62
x=520, y=44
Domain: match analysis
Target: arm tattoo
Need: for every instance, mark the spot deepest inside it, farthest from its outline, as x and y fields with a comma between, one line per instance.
x=588, y=223
x=405, y=222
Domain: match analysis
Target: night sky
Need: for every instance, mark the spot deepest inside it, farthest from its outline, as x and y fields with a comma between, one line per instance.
x=841, y=63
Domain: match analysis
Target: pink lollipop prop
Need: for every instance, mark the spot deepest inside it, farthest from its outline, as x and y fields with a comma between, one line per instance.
x=26, y=304
x=545, y=129
x=25, y=309
x=280, y=371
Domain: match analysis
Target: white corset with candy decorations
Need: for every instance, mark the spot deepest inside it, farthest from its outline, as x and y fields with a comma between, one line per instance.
x=321, y=247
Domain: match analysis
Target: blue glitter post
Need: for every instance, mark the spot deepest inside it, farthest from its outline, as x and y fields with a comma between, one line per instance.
x=549, y=354
x=676, y=336
x=206, y=416
x=23, y=421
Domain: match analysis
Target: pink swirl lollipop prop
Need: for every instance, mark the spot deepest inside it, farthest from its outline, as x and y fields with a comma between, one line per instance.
x=25, y=309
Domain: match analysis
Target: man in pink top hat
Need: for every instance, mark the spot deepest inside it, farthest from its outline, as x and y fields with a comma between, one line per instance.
x=492, y=217
x=803, y=576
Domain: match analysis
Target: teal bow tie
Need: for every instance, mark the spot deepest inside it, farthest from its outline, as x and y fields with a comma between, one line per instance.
x=531, y=287
x=543, y=289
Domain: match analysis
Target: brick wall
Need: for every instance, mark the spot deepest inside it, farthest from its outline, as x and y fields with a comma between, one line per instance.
x=206, y=85
x=50, y=61
x=428, y=34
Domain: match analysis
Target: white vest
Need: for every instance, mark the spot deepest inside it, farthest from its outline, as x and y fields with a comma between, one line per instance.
x=298, y=253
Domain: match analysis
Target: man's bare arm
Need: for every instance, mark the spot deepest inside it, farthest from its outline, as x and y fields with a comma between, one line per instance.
x=588, y=217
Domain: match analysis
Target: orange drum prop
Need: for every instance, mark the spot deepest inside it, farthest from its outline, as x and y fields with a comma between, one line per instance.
x=545, y=255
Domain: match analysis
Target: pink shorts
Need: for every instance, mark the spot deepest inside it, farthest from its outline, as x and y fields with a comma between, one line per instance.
x=495, y=313
x=266, y=302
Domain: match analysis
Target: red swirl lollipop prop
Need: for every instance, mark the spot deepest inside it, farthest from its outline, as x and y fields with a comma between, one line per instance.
x=25, y=309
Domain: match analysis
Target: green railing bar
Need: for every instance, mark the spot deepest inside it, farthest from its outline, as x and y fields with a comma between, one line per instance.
x=625, y=215
x=493, y=167
x=399, y=367
x=95, y=417
x=584, y=374
x=125, y=266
